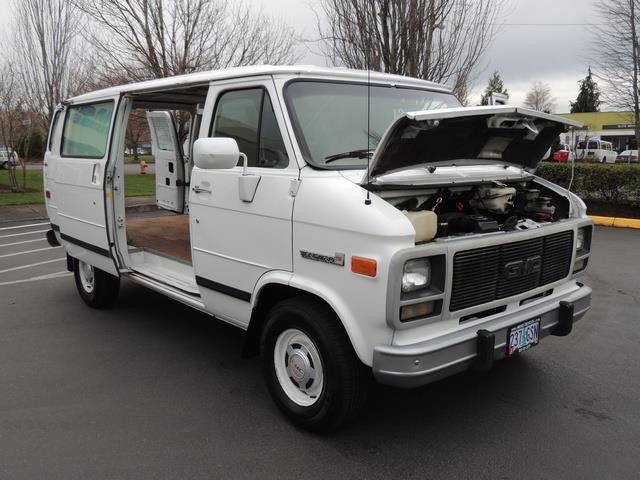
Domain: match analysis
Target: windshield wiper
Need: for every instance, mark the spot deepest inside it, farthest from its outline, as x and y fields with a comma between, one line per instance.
x=361, y=153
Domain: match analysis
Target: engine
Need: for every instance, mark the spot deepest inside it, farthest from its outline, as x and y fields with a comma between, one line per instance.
x=478, y=209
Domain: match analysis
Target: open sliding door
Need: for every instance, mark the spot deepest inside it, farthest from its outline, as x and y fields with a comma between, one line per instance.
x=80, y=179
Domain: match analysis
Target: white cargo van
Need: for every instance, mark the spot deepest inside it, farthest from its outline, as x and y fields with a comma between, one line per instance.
x=410, y=248
x=595, y=150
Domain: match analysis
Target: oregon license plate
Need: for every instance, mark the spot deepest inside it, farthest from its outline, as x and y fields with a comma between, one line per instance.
x=523, y=336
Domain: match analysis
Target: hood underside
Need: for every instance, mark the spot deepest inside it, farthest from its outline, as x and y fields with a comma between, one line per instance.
x=474, y=135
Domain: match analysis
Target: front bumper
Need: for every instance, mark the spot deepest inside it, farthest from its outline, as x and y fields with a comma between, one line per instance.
x=473, y=347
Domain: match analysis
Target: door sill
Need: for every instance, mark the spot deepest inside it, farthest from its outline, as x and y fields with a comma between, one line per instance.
x=169, y=271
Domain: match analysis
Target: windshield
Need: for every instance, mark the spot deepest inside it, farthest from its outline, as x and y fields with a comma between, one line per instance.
x=330, y=119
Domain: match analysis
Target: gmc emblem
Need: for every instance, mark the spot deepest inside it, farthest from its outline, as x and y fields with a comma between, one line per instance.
x=520, y=268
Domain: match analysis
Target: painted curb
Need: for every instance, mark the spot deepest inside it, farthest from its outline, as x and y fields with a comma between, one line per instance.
x=616, y=222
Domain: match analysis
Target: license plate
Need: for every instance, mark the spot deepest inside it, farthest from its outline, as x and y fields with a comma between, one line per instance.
x=523, y=336
x=590, y=154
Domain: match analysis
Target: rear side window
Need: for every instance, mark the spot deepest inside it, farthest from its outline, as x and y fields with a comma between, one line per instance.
x=86, y=130
x=248, y=117
x=593, y=145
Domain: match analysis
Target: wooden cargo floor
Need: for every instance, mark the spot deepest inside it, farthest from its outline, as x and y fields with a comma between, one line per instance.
x=167, y=234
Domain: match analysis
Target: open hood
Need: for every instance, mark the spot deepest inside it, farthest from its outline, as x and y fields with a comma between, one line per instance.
x=467, y=136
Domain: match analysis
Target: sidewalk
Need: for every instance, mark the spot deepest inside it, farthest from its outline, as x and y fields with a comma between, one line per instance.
x=21, y=213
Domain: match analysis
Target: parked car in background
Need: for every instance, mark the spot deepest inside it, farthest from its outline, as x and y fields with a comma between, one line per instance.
x=628, y=156
x=565, y=154
x=595, y=150
x=8, y=157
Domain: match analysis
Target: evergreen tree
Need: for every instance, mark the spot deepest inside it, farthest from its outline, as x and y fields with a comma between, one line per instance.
x=588, y=97
x=495, y=85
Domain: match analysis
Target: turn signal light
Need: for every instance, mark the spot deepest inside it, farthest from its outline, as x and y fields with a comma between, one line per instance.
x=364, y=266
x=409, y=312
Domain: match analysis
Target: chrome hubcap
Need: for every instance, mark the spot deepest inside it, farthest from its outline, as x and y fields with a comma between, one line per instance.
x=87, y=277
x=298, y=367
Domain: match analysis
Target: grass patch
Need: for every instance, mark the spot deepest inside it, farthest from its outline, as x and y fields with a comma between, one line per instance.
x=139, y=185
x=135, y=186
x=34, y=181
x=146, y=158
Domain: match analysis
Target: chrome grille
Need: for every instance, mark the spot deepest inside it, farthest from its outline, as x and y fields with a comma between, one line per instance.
x=486, y=274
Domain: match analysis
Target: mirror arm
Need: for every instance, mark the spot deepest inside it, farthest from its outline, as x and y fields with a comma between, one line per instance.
x=244, y=163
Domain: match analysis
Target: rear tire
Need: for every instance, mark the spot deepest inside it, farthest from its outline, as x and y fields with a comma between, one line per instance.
x=309, y=365
x=96, y=287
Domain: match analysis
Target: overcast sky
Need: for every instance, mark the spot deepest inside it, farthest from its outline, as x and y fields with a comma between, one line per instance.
x=557, y=55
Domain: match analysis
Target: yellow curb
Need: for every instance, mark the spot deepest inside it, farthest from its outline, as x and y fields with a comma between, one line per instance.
x=616, y=222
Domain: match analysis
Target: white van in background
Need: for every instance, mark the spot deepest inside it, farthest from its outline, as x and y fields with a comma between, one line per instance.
x=594, y=150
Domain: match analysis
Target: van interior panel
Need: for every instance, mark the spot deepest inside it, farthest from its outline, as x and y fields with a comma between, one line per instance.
x=166, y=234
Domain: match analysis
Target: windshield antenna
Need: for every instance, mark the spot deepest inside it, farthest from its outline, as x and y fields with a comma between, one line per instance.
x=368, y=59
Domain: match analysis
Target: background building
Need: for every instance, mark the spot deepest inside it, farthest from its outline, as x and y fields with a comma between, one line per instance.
x=614, y=127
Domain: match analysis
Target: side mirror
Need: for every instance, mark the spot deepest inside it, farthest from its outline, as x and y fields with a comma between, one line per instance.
x=216, y=153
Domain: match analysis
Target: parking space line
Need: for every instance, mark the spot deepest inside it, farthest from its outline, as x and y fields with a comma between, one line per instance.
x=40, y=277
x=23, y=233
x=28, y=251
x=25, y=226
x=32, y=265
x=24, y=241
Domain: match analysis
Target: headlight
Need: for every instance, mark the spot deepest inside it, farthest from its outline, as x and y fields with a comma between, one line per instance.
x=416, y=275
x=580, y=239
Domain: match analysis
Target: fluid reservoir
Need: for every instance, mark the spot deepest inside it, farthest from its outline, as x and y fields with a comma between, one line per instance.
x=425, y=222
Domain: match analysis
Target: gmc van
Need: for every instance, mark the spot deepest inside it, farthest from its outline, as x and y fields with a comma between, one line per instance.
x=410, y=244
x=595, y=150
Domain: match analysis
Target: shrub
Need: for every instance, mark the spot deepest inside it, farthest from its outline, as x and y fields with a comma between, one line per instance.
x=617, y=183
x=31, y=145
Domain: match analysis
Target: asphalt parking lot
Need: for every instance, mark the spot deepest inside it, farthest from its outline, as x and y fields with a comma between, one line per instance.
x=153, y=389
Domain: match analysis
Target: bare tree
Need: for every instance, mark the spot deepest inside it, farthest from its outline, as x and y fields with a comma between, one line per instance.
x=539, y=97
x=11, y=118
x=144, y=39
x=438, y=40
x=618, y=55
x=45, y=53
x=137, y=132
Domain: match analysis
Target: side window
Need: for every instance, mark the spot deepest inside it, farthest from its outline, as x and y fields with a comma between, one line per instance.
x=248, y=117
x=86, y=130
x=52, y=131
x=593, y=146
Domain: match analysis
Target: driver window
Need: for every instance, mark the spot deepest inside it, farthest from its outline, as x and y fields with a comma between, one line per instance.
x=248, y=117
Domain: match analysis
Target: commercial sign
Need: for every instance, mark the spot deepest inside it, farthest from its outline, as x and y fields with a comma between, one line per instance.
x=618, y=126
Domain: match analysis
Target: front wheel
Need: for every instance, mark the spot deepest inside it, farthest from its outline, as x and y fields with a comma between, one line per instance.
x=310, y=367
x=96, y=287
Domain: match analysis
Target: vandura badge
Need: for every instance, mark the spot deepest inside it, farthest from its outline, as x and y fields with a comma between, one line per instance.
x=337, y=259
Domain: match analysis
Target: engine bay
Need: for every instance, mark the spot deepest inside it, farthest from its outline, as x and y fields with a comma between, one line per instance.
x=451, y=211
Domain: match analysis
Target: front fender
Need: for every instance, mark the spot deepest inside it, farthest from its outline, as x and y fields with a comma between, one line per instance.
x=363, y=333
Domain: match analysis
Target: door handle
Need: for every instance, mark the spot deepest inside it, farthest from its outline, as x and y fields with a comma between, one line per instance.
x=95, y=174
x=199, y=189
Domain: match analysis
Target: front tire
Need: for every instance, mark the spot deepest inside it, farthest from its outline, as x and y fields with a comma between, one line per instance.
x=310, y=367
x=96, y=287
